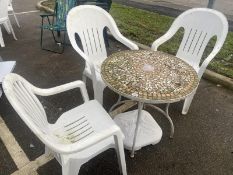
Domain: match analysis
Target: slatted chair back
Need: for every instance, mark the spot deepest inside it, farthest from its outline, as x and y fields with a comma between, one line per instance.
x=20, y=94
x=200, y=25
x=89, y=23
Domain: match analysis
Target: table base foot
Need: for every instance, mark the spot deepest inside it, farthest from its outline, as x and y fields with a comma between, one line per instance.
x=149, y=132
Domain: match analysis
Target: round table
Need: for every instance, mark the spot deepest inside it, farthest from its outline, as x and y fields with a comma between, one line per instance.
x=149, y=77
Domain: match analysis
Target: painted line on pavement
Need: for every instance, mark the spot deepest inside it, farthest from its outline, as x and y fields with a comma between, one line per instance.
x=15, y=151
x=24, y=165
x=30, y=169
x=21, y=13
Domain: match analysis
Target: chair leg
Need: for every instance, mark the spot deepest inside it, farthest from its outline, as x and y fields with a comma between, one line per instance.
x=84, y=78
x=71, y=167
x=64, y=42
x=98, y=92
x=65, y=168
x=1, y=39
x=12, y=31
x=187, y=103
x=6, y=25
x=54, y=51
x=58, y=33
x=47, y=151
x=120, y=153
x=16, y=19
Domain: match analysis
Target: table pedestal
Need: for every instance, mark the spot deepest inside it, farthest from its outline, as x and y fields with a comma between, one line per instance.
x=148, y=131
x=147, y=77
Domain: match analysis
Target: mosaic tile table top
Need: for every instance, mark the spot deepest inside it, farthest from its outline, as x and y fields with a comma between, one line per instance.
x=149, y=76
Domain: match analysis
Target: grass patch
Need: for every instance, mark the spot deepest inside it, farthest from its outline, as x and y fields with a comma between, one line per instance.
x=145, y=27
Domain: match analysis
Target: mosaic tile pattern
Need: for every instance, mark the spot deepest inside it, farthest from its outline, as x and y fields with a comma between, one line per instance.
x=148, y=75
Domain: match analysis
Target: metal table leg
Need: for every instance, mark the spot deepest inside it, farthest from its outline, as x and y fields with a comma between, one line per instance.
x=140, y=106
x=170, y=120
x=166, y=114
x=116, y=104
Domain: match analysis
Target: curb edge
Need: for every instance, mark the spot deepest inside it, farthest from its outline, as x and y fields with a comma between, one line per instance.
x=39, y=6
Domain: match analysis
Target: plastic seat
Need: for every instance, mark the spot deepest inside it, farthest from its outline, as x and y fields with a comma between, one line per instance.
x=89, y=23
x=11, y=11
x=200, y=25
x=149, y=132
x=77, y=136
x=4, y=19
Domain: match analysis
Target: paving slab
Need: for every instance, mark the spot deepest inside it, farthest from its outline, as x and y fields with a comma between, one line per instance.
x=202, y=142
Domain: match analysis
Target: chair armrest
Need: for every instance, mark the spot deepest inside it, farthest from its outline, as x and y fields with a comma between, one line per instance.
x=205, y=63
x=167, y=36
x=125, y=41
x=219, y=43
x=118, y=36
x=63, y=88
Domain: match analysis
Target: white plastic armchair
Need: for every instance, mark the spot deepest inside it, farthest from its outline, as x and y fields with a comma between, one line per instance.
x=89, y=22
x=200, y=25
x=4, y=20
x=78, y=135
x=11, y=11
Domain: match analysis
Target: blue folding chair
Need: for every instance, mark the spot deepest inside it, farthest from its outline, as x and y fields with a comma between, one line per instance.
x=57, y=24
x=58, y=21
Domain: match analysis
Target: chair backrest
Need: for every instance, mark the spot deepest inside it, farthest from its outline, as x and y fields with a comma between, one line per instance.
x=89, y=23
x=200, y=25
x=105, y=4
x=3, y=8
x=61, y=10
x=21, y=95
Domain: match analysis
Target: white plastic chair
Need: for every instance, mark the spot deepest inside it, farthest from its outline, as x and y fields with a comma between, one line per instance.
x=4, y=19
x=11, y=11
x=78, y=135
x=89, y=23
x=200, y=25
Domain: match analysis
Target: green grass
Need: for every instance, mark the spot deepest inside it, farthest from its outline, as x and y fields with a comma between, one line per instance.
x=145, y=27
